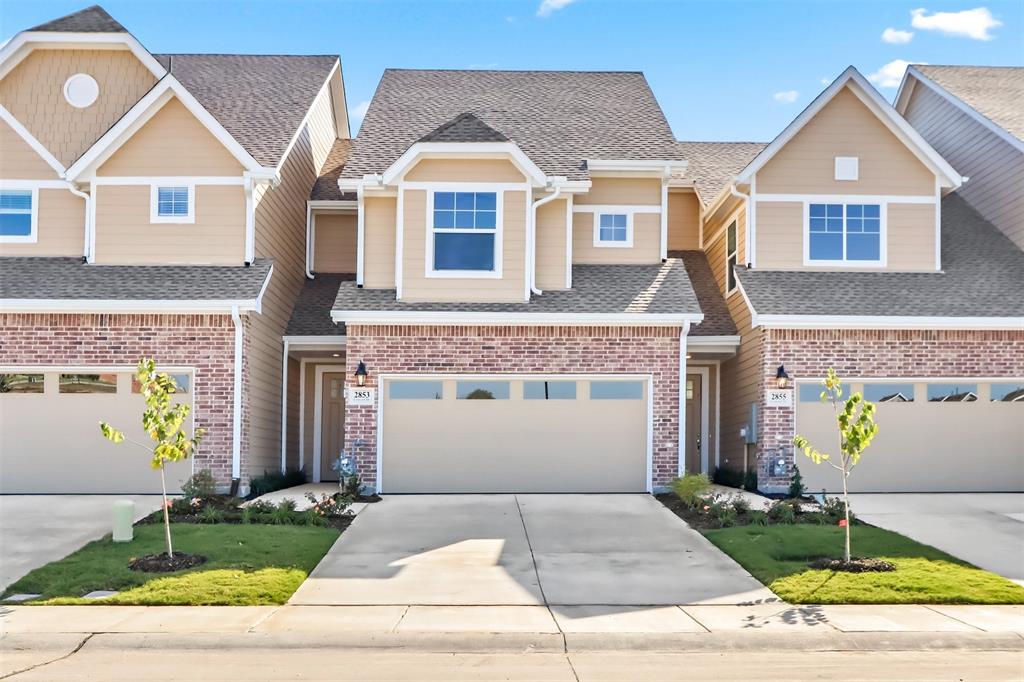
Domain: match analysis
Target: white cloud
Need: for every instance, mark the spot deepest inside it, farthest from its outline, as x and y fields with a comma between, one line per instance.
x=897, y=37
x=547, y=7
x=787, y=96
x=826, y=81
x=890, y=75
x=357, y=112
x=971, y=23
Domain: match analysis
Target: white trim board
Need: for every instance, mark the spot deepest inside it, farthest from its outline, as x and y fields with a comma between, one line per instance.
x=885, y=322
x=31, y=141
x=33, y=236
x=511, y=319
x=461, y=150
x=23, y=43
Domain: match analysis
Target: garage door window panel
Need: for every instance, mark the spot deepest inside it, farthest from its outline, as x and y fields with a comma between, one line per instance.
x=549, y=390
x=1008, y=393
x=889, y=393
x=21, y=383
x=810, y=393
x=416, y=390
x=482, y=390
x=88, y=383
x=952, y=393
x=616, y=390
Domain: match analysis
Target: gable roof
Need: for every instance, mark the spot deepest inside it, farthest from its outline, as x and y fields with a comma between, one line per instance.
x=995, y=93
x=464, y=128
x=559, y=119
x=885, y=112
x=713, y=165
x=92, y=19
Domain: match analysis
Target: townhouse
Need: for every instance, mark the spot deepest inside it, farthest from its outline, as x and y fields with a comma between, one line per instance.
x=509, y=281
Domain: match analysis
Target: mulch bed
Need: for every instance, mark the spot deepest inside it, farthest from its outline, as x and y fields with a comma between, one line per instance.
x=162, y=563
x=856, y=565
x=695, y=519
x=337, y=522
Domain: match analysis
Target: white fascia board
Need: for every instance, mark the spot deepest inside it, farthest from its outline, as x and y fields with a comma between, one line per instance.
x=305, y=119
x=513, y=319
x=881, y=108
x=467, y=150
x=20, y=45
x=337, y=204
x=315, y=340
x=889, y=322
x=141, y=112
x=665, y=166
x=183, y=306
x=31, y=141
x=700, y=343
x=913, y=77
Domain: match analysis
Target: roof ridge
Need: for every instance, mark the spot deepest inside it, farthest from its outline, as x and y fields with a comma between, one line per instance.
x=240, y=54
x=546, y=71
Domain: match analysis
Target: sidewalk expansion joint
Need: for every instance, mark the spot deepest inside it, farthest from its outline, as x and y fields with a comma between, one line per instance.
x=540, y=586
x=53, y=660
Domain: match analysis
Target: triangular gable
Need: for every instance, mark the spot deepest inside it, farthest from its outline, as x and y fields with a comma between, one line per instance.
x=464, y=128
x=24, y=157
x=880, y=108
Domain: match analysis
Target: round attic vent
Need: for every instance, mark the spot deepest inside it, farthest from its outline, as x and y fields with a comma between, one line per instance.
x=81, y=90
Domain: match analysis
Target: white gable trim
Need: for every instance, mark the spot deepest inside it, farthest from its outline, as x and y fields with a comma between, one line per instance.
x=466, y=150
x=139, y=115
x=30, y=139
x=882, y=109
x=913, y=77
x=305, y=119
x=22, y=44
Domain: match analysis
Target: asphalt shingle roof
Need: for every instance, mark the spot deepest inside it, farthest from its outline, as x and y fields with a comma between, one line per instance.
x=558, y=118
x=717, y=319
x=259, y=99
x=641, y=289
x=311, y=315
x=712, y=165
x=464, y=128
x=326, y=186
x=996, y=92
x=70, y=278
x=92, y=19
x=983, y=276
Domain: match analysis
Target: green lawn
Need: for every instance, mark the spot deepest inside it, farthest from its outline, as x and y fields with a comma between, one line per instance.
x=246, y=565
x=778, y=556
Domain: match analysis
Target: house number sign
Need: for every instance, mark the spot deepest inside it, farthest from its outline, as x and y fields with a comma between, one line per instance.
x=361, y=396
x=779, y=397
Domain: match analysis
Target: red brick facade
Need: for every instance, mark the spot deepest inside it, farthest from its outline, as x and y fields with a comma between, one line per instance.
x=203, y=342
x=874, y=353
x=397, y=349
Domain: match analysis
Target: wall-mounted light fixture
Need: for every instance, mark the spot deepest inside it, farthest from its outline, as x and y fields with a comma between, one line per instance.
x=361, y=374
x=781, y=377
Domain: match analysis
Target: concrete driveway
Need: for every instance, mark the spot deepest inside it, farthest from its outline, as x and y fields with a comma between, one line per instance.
x=525, y=550
x=986, y=529
x=37, y=529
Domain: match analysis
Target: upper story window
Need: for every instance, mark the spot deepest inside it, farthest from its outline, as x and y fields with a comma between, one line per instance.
x=172, y=204
x=17, y=215
x=614, y=229
x=465, y=232
x=844, y=234
x=731, y=253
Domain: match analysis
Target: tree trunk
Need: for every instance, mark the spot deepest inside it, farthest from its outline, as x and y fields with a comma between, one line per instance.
x=846, y=513
x=167, y=517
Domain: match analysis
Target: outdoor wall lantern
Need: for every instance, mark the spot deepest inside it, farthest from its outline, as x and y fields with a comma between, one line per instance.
x=781, y=377
x=361, y=374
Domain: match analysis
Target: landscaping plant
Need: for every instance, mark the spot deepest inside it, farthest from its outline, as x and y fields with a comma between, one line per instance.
x=164, y=421
x=855, y=419
x=200, y=485
x=796, y=484
x=690, y=487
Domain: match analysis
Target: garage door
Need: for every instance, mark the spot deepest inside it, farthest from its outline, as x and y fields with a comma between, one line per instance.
x=938, y=436
x=50, y=441
x=514, y=434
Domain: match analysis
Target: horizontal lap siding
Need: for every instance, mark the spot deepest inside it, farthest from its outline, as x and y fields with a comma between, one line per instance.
x=61, y=228
x=646, y=247
x=552, y=224
x=464, y=170
x=334, y=244
x=683, y=221
x=380, y=216
x=18, y=161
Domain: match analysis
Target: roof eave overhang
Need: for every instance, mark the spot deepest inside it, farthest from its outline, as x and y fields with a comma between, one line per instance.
x=467, y=150
x=887, y=322
x=96, y=305
x=513, y=319
x=23, y=43
x=663, y=168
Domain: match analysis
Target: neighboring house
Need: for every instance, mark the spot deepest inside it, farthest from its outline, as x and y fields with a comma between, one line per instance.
x=510, y=281
x=974, y=117
x=149, y=205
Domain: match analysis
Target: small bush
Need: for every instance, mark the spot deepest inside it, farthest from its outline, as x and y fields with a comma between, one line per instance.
x=750, y=481
x=272, y=480
x=282, y=515
x=250, y=515
x=210, y=514
x=260, y=507
x=796, y=484
x=309, y=517
x=200, y=485
x=781, y=511
x=757, y=518
x=329, y=506
x=816, y=518
x=180, y=506
x=833, y=508
x=740, y=505
x=690, y=488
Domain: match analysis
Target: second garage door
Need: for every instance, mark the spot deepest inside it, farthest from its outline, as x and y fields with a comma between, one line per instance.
x=514, y=434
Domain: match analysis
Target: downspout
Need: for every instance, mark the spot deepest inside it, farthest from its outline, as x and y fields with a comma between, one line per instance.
x=746, y=230
x=88, y=227
x=683, y=334
x=533, y=238
x=309, y=237
x=236, y=413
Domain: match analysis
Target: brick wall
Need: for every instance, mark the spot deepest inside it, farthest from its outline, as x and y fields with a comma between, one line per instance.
x=205, y=342
x=396, y=349
x=874, y=353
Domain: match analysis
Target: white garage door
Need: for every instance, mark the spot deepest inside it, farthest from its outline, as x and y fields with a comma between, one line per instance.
x=935, y=436
x=50, y=440
x=514, y=434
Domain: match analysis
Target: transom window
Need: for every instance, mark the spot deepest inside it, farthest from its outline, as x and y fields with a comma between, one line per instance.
x=842, y=233
x=465, y=227
x=16, y=215
x=173, y=204
x=613, y=227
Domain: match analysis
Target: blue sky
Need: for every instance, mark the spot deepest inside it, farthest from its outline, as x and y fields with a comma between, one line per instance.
x=725, y=70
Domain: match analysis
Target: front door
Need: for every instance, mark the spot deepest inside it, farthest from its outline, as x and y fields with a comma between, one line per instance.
x=694, y=410
x=332, y=432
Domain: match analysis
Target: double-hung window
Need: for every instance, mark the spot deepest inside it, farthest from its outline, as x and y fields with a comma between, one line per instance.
x=17, y=215
x=844, y=233
x=613, y=229
x=172, y=204
x=465, y=232
x=731, y=252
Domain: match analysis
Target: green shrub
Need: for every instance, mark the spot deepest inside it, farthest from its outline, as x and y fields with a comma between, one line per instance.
x=274, y=480
x=781, y=511
x=210, y=514
x=796, y=484
x=327, y=506
x=750, y=481
x=201, y=485
x=250, y=515
x=260, y=507
x=690, y=487
x=309, y=517
x=816, y=518
x=728, y=477
x=740, y=505
x=757, y=517
x=180, y=506
x=832, y=507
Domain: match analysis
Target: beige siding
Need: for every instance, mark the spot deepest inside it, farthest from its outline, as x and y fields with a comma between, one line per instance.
x=18, y=161
x=379, y=242
x=464, y=170
x=34, y=94
x=334, y=243
x=995, y=167
x=172, y=142
x=683, y=221
x=416, y=286
x=845, y=127
x=322, y=128
x=715, y=242
x=294, y=381
x=61, y=227
x=125, y=235
x=618, y=191
x=646, y=241
x=780, y=237
x=552, y=224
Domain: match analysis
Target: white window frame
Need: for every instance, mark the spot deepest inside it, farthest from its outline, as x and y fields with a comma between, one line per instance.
x=33, y=236
x=883, y=231
x=733, y=224
x=611, y=244
x=629, y=210
x=154, y=207
x=498, y=232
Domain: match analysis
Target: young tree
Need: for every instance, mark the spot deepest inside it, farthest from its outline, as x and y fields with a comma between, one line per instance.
x=855, y=418
x=164, y=422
